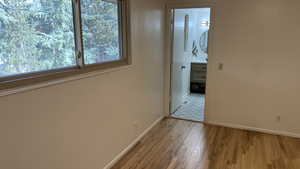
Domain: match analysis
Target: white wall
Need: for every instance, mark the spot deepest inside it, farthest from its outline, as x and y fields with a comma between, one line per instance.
x=258, y=42
x=84, y=124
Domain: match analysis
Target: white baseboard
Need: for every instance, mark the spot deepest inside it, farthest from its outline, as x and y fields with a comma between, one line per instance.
x=129, y=147
x=242, y=127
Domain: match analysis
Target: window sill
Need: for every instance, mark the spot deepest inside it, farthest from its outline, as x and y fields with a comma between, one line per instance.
x=17, y=90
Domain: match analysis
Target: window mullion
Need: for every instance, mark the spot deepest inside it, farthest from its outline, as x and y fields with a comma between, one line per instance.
x=121, y=23
x=78, y=33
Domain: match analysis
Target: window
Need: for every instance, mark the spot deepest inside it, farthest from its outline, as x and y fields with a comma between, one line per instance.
x=100, y=23
x=45, y=39
x=36, y=35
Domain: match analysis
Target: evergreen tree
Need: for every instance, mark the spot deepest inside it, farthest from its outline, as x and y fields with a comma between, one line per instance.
x=38, y=35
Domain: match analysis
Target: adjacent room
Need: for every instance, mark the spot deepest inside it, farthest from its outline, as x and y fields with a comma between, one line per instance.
x=190, y=30
x=149, y=84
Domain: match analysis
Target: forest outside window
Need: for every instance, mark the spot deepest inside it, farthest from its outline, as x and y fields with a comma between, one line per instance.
x=46, y=39
x=101, y=31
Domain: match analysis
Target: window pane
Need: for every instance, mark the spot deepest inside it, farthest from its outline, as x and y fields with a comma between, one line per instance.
x=35, y=35
x=100, y=30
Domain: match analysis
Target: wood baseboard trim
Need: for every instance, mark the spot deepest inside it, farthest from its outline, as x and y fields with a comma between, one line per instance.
x=130, y=146
x=260, y=130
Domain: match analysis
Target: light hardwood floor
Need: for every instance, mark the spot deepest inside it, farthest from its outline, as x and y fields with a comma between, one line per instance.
x=177, y=144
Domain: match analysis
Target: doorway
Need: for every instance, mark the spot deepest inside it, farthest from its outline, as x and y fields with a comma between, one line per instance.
x=189, y=59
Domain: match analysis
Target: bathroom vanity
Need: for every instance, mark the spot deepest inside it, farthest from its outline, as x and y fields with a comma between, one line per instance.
x=198, y=75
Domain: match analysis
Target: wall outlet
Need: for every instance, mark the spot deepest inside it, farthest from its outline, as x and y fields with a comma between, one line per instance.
x=220, y=66
x=278, y=118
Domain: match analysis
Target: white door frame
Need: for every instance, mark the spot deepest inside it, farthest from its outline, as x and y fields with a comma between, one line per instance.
x=169, y=47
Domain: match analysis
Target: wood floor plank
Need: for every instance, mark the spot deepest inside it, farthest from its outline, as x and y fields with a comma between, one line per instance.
x=178, y=144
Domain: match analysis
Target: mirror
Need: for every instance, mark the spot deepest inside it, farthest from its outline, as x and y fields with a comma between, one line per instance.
x=203, y=42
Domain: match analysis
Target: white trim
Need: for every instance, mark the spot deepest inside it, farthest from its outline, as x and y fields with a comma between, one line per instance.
x=130, y=146
x=242, y=127
x=182, y=5
x=59, y=81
